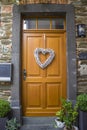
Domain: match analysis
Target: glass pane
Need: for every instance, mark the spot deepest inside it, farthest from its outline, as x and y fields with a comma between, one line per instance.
x=58, y=23
x=43, y=23
x=29, y=24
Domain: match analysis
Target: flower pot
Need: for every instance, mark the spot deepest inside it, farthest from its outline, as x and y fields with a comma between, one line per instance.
x=59, y=124
x=3, y=123
x=83, y=120
x=74, y=128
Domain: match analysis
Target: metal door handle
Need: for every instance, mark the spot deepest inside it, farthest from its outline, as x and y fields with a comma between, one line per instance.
x=24, y=74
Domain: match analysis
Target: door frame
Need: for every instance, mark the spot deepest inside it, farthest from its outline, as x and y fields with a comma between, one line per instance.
x=44, y=10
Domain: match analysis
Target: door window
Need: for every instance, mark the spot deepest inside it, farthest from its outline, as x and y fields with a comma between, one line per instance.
x=44, y=23
x=29, y=24
x=58, y=23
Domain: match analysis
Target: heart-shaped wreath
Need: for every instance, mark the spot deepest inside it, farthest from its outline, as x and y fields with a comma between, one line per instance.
x=37, y=51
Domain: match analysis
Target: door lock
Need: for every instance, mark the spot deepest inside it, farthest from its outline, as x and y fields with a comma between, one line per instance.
x=24, y=74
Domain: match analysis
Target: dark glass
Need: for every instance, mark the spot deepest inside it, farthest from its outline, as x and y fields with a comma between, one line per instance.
x=58, y=23
x=43, y=23
x=29, y=24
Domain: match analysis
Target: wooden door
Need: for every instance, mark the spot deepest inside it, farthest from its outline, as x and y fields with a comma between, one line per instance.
x=43, y=88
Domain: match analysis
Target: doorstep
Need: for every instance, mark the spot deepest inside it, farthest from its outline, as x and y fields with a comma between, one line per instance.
x=38, y=123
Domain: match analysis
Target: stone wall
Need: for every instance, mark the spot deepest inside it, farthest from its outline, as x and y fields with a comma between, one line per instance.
x=6, y=42
x=5, y=33
x=81, y=43
x=35, y=1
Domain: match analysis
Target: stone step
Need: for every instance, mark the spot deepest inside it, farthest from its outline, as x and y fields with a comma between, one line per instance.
x=38, y=123
x=38, y=127
x=38, y=120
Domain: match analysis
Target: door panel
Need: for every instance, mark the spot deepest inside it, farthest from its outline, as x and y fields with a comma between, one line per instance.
x=43, y=88
x=33, y=89
x=53, y=89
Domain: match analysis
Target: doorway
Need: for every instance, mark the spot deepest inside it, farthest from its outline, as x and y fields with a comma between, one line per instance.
x=47, y=76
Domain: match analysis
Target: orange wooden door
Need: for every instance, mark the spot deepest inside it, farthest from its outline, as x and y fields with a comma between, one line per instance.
x=43, y=88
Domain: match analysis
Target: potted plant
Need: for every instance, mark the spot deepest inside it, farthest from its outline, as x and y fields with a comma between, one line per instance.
x=68, y=114
x=59, y=120
x=12, y=124
x=82, y=104
x=4, y=110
